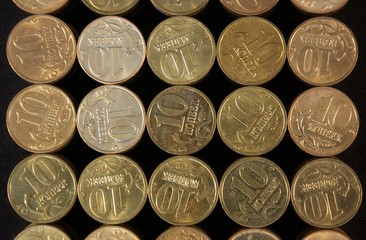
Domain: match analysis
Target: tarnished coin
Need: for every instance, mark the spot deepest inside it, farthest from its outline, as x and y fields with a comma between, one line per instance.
x=251, y=51
x=42, y=6
x=254, y=192
x=111, y=119
x=186, y=7
x=322, y=51
x=323, y=121
x=181, y=50
x=41, y=49
x=42, y=188
x=249, y=7
x=183, y=232
x=181, y=120
x=252, y=120
x=111, y=50
x=42, y=232
x=111, y=7
x=41, y=118
x=112, y=232
x=319, y=7
x=262, y=234
x=326, y=234
x=183, y=190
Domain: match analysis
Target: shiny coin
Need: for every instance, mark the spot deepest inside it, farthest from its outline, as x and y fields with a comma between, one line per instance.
x=251, y=51
x=262, y=234
x=326, y=234
x=322, y=51
x=326, y=193
x=112, y=189
x=319, y=7
x=41, y=118
x=323, y=121
x=41, y=49
x=186, y=7
x=254, y=192
x=183, y=190
x=181, y=50
x=252, y=120
x=111, y=7
x=183, y=232
x=249, y=7
x=111, y=119
x=111, y=50
x=41, y=7
x=42, y=232
x=181, y=120
x=112, y=232
x=42, y=188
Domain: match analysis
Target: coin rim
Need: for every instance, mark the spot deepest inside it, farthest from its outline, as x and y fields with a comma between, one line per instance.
x=268, y=232
x=254, y=13
x=123, y=11
x=171, y=13
x=51, y=11
x=305, y=10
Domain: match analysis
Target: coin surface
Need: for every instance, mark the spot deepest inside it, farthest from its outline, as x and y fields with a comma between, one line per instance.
x=322, y=51
x=319, y=7
x=181, y=50
x=183, y=232
x=41, y=118
x=111, y=7
x=326, y=193
x=254, y=192
x=183, y=190
x=186, y=7
x=249, y=7
x=108, y=232
x=42, y=232
x=252, y=120
x=326, y=234
x=42, y=188
x=111, y=50
x=251, y=51
x=41, y=49
x=262, y=234
x=111, y=119
x=181, y=120
x=323, y=121
x=41, y=6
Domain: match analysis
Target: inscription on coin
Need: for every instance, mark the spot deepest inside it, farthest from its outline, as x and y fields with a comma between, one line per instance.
x=183, y=232
x=178, y=7
x=249, y=7
x=319, y=7
x=42, y=232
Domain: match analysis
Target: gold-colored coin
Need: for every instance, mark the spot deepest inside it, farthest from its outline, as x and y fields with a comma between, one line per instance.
x=112, y=232
x=249, y=7
x=181, y=120
x=254, y=192
x=186, y=7
x=319, y=7
x=41, y=49
x=111, y=119
x=323, y=121
x=326, y=234
x=322, y=51
x=42, y=232
x=251, y=51
x=183, y=190
x=112, y=189
x=42, y=7
x=111, y=7
x=326, y=193
x=183, y=232
x=262, y=234
x=181, y=50
x=252, y=120
x=42, y=188
x=41, y=118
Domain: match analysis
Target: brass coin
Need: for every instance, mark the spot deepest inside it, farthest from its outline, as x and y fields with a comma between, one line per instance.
x=322, y=51
x=41, y=49
x=319, y=7
x=183, y=232
x=111, y=50
x=42, y=188
x=183, y=190
x=186, y=7
x=249, y=7
x=326, y=193
x=42, y=232
x=181, y=50
x=41, y=7
x=112, y=189
x=251, y=51
x=326, y=234
x=252, y=120
x=111, y=7
x=254, y=192
x=262, y=234
x=323, y=121
x=112, y=232
x=41, y=118
x=111, y=119
x=181, y=120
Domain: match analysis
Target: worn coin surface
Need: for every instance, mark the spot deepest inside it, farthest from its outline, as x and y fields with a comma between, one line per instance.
x=249, y=7
x=186, y=7
x=111, y=7
x=41, y=6
x=254, y=192
x=322, y=51
x=325, y=234
x=323, y=121
x=42, y=232
x=183, y=232
x=319, y=7
x=260, y=234
x=111, y=232
x=183, y=190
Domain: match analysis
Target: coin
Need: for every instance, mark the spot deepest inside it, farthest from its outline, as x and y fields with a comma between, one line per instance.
x=111, y=50
x=111, y=119
x=254, y=192
x=111, y=7
x=322, y=51
x=108, y=232
x=326, y=234
x=41, y=49
x=319, y=7
x=42, y=232
x=249, y=7
x=183, y=190
x=326, y=193
x=252, y=120
x=186, y=7
x=181, y=120
x=183, y=232
x=42, y=7
x=181, y=50
x=323, y=121
x=262, y=234
x=251, y=51
x=41, y=118
x=112, y=189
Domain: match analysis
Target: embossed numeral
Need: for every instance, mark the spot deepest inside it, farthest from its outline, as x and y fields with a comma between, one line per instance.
x=175, y=63
x=320, y=205
x=173, y=107
x=100, y=57
x=310, y=60
x=30, y=44
x=105, y=202
x=333, y=113
x=34, y=106
x=121, y=128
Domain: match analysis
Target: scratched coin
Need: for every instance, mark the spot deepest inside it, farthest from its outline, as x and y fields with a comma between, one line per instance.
x=183, y=190
x=322, y=51
x=42, y=6
x=326, y=193
x=254, y=192
x=326, y=234
x=319, y=7
x=252, y=120
x=108, y=232
x=108, y=7
x=111, y=119
x=186, y=7
x=42, y=232
x=262, y=234
x=181, y=50
x=183, y=232
x=181, y=120
x=42, y=188
x=41, y=118
x=323, y=121
x=249, y=7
